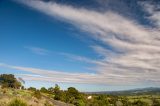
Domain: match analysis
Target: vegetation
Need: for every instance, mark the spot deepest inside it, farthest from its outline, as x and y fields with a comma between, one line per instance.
x=9, y=81
x=10, y=94
x=17, y=102
x=37, y=94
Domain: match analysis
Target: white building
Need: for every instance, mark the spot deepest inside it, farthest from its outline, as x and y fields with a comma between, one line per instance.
x=89, y=97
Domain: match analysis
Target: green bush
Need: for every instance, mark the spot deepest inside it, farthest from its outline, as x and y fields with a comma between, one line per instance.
x=79, y=103
x=17, y=102
x=37, y=94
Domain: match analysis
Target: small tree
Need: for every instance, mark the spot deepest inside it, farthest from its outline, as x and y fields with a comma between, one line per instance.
x=57, y=92
x=51, y=90
x=73, y=92
x=32, y=89
x=44, y=90
x=22, y=87
x=72, y=95
x=9, y=81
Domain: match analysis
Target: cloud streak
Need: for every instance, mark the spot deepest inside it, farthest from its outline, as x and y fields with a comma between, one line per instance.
x=135, y=57
x=38, y=50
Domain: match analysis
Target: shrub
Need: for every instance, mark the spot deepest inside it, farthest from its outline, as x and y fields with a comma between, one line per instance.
x=79, y=103
x=37, y=94
x=43, y=90
x=17, y=102
x=156, y=102
x=32, y=89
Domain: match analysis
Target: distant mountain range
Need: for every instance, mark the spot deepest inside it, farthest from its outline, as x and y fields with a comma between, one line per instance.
x=139, y=91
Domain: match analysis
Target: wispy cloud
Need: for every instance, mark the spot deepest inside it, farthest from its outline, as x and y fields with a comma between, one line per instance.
x=136, y=54
x=37, y=50
x=59, y=76
x=153, y=10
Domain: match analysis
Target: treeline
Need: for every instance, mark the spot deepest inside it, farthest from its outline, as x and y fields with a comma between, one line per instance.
x=71, y=95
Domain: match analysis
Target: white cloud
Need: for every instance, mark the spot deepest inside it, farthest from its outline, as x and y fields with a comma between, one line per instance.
x=153, y=10
x=139, y=45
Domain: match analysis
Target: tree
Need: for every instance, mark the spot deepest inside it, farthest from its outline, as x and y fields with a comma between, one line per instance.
x=44, y=90
x=101, y=100
x=57, y=92
x=32, y=89
x=17, y=85
x=73, y=92
x=22, y=87
x=9, y=81
x=73, y=96
x=51, y=90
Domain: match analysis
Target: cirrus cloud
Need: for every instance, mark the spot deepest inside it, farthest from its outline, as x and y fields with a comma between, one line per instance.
x=135, y=57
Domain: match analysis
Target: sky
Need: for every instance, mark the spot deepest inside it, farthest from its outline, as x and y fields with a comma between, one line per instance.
x=93, y=45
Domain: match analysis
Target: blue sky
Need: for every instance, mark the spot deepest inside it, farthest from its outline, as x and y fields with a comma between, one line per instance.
x=91, y=45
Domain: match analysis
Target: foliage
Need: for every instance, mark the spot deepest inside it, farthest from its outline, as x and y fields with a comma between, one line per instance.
x=140, y=103
x=22, y=87
x=32, y=89
x=100, y=100
x=9, y=81
x=79, y=103
x=73, y=93
x=125, y=101
x=57, y=92
x=17, y=102
x=43, y=90
x=37, y=94
x=50, y=90
x=155, y=102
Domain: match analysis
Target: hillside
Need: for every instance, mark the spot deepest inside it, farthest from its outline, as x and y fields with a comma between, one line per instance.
x=28, y=97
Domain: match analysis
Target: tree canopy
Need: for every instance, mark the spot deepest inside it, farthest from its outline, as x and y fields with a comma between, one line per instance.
x=9, y=81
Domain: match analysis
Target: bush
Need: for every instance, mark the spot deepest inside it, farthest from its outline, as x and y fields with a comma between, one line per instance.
x=17, y=102
x=79, y=103
x=37, y=94
x=32, y=89
x=43, y=90
x=156, y=102
x=9, y=81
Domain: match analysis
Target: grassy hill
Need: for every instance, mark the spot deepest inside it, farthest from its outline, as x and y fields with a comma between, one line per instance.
x=8, y=96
